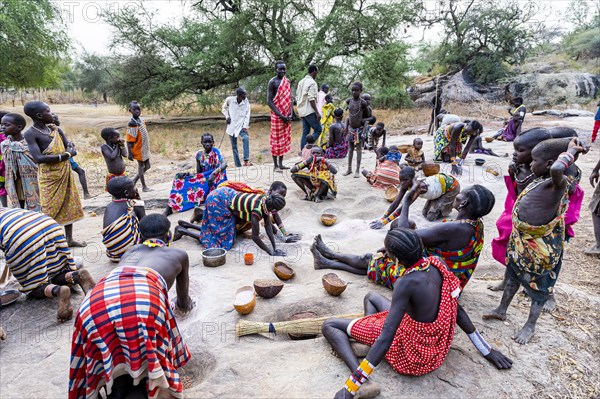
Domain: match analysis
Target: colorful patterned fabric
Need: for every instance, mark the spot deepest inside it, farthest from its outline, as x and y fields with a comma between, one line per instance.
x=190, y=190
x=121, y=234
x=339, y=149
x=280, y=139
x=247, y=205
x=386, y=175
x=464, y=261
x=395, y=156
x=534, y=253
x=137, y=133
x=110, y=176
x=126, y=326
x=418, y=348
x=34, y=246
x=384, y=271
x=2, y=169
x=58, y=193
x=441, y=141
x=318, y=173
x=327, y=120
x=511, y=130
x=21, y=175
x=218, y=223
x=242, y=187
x=355, y=134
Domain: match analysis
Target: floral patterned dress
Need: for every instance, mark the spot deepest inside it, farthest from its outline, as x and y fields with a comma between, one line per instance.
x=190, y=190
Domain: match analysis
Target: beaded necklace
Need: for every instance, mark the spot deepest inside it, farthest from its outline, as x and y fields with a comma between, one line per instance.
x=421, y=265
x=42, y=131
x=524, y=179
x=154, y=242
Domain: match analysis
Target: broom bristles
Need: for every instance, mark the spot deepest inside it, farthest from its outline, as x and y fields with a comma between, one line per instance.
x=310, y=326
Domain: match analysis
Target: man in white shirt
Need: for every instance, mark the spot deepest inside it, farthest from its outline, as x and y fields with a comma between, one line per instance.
x=237, y=111
x=306, y=100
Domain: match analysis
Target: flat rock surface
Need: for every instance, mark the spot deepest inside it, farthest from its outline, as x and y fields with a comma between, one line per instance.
x=561, y=360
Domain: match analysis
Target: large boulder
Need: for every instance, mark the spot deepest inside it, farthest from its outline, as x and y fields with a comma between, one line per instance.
x=541, y=90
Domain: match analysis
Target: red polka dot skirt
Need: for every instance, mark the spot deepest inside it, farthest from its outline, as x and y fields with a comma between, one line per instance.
x=418, y=348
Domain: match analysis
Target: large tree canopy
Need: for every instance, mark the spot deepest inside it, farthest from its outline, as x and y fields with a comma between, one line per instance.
x=32, y=43
x=484, y=36
x=229, y=41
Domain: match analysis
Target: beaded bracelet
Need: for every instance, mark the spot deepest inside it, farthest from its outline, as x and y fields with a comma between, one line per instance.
x=563, y=162
x=359, y=377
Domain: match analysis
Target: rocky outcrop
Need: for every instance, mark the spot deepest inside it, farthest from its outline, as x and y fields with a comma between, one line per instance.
x=540, y=90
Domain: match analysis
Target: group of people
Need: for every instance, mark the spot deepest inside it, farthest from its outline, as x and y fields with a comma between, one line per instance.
x=126, y=338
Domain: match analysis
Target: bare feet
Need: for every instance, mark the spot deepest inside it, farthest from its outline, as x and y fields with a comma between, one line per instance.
x=168, y=211
x=87, y=196
x=177, y=234
x=197, y=215
x=360, y=350
x=318, y=199
x=497, y=287
x=346, y=173
x=318, y=258
x=356, y=175
x=86, y=282
x=2, y=334
x=369, y=389
x=494, y=314
x=550, y=304
x=283, y=167
x=247, y=163
x=65, y=311
x=76, y=244
x=323, y=248
x=593, y=251
x=525, y=334
x=146, y=189
x=276, y=169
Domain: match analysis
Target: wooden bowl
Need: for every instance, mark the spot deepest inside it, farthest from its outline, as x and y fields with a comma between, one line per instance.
x=283, y=271
x=8, y=297
x=267, y=288
x=391, y=193
x=333, y=284
x=328, y=219
x=403, y=148
x=244, y=300
x=489, y=139
x=430, y=168
x=214, y=257
x=479, y=161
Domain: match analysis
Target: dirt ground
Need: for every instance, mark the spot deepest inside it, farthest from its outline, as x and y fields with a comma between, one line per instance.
x=560, y=361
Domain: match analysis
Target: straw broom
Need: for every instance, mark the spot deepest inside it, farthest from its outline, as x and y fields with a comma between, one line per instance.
x=310, y=326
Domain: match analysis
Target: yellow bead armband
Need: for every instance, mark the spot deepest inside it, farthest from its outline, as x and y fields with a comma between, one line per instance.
x=359, y=377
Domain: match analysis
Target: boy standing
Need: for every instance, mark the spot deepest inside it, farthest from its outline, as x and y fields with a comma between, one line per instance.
x=51, y=150
x=535, y=249
x=279, y=98
x=357, y=120
x=138, y=145
x=21, y=170
x=237, y=111
x=113, y=152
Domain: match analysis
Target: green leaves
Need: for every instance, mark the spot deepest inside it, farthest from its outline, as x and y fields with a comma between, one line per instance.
x=32, y=43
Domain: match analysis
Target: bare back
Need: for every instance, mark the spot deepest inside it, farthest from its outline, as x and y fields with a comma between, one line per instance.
x=170, y=263
x=425, y=294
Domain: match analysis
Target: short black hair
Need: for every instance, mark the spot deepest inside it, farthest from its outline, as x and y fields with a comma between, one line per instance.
x=240, y=90
x=532, y=137
x=207, y=134
x=405, y=244
x=275, y=202
x=17, y=118
x=278, y=62
x=2, y=113
x=408, y=172
x=328, y=96
x=383, y=151
x=381, y=124
x=278, y=185
x=481, y=201
x=312, y=68
x=310, y=139
x=518, y=100
x=154, y=225
x=33, y=107
x=132, y=104
x=324, y=86
x=418, y=139
x=561, y=132
x=551, y=149
x=357, y=84
x=118, y=185
x=107, y=132
x=338, y=113
x=476, y=126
